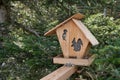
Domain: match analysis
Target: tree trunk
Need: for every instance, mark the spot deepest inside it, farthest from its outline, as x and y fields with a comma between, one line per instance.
x=4, y=19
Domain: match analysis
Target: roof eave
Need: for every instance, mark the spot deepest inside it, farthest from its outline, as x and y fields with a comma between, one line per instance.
x=86, y=32
x=53, y=30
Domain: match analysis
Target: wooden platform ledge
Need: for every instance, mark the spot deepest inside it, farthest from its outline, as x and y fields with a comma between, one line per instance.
x=62, y=73
x=74, y=61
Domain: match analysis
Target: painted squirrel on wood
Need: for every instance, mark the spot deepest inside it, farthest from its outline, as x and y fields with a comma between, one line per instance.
x=77, y=44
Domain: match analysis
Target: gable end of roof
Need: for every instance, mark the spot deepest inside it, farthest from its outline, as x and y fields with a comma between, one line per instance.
x=53, y=30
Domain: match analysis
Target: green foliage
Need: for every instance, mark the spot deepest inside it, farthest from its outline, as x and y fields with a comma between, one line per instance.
x=107, y=31
x=104, y=28
x=29, y=55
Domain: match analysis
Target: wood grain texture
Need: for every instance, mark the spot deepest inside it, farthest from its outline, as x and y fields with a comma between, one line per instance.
x=62, y=73
x=72, y=32
x=76, y=33
x=64, y=43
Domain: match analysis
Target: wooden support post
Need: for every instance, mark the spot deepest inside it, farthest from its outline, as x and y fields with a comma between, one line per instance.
x=61, y=73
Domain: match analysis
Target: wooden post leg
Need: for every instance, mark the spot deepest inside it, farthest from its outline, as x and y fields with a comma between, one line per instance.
x=61, y=73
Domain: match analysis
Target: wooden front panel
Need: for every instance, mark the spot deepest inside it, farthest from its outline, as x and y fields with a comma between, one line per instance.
x=63, y=36
x=77, y=41
x=72, y=40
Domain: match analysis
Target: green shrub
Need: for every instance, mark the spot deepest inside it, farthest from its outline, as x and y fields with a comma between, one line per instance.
x=107, y=63
x=29, y=55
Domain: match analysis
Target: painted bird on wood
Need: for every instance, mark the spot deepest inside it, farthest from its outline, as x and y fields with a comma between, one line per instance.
x=64, y=34
x=77, y=44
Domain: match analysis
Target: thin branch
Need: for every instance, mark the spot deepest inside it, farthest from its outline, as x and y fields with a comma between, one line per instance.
x=26, y=29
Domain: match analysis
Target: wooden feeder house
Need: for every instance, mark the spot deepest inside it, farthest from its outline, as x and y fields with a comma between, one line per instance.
x=75, y=40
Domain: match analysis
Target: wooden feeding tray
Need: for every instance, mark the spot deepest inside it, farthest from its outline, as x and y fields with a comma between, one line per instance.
x=86, y=61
